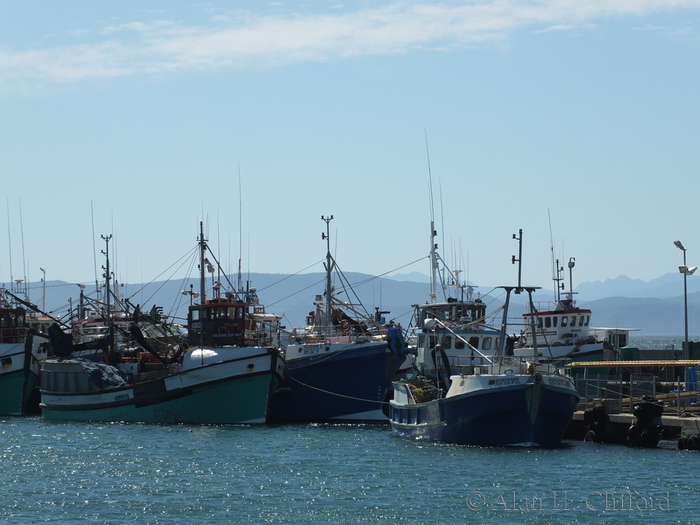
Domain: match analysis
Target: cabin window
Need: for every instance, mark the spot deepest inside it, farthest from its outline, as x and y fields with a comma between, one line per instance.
x=554, y=321
x=547, y=322
x=581, y=320
x=539, y=322
x=195, y=315
x=231, y=312
x=11, y=321
x=459, y=344
x=564, y=320
x=486, y=343
x=446, y=342
x=573, y=321
x=588, y=319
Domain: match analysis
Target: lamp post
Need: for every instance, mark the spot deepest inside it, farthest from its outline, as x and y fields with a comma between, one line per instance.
x=686, y=272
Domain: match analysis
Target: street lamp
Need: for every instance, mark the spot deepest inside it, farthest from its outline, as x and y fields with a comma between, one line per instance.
x=686, y=272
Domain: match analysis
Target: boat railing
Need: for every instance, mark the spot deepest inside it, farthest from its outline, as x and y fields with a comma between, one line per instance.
x=325, y=334
x=263, y=338
x=13, y=335
x=540, y=306
x=621, y=389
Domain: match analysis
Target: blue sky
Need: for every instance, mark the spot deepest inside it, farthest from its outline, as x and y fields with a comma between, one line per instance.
x=575, y=121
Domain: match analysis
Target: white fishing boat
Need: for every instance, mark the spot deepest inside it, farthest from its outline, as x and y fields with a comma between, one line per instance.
x=22, y=347
x=563, y=330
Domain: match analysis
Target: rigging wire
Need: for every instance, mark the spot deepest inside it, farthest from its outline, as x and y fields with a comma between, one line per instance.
x=291, y=275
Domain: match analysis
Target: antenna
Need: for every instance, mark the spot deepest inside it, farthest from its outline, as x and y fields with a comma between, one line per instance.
x=555, y=264
x=433, y=232
x=430, y=179
x=24, y=260
x=94, y=250
x=218, y=246
x=9, y=239
x=240, y=230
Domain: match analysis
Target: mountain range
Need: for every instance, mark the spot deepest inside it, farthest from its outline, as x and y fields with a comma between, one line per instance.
x=654, y=307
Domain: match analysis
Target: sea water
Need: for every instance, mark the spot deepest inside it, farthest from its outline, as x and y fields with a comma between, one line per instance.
x=119, y=473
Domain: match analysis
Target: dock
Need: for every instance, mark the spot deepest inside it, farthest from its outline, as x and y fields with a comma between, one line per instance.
x=633, y=411
x=673, y=426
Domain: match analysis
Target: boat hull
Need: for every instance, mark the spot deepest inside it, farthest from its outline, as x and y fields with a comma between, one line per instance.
x=216, y=393
x=16, y=388
x=19, y=375
x=351, y=384
x=529, y=414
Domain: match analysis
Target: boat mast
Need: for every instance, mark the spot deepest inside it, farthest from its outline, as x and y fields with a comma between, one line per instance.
x=572, y=263
x=519, y=289
x=202, y=253
x=108, y=309
x=557, y=286
x=433, y=265
x=329, y=295
x=519, y=238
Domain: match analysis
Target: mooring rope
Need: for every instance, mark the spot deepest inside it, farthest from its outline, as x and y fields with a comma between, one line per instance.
x=338, y=395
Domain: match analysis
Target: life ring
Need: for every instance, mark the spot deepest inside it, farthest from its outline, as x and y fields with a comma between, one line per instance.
x=345, y=326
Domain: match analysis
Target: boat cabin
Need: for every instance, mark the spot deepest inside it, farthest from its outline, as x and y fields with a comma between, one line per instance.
x=218, y=322
x=566, y=324
x=226, y=322
x=12, y=325
x=452, y=312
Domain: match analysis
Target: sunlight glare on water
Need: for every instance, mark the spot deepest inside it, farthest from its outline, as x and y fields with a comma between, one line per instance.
x=127, y=473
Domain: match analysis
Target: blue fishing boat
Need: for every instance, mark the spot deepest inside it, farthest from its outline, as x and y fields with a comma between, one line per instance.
x=340, y=366
x=468, y=391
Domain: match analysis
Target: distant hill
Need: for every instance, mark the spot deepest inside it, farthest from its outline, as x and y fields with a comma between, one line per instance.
x=655, y=307
x=415, y=277
x=669, y=285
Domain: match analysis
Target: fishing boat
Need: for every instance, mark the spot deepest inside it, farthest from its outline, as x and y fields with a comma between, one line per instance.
x=468, y=334
x=478, y=396
x=565, y=331
x=225, y=376
x=340, y=366
x=22, y=347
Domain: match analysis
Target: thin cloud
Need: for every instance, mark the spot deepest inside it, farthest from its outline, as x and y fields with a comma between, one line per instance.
x=246, y=40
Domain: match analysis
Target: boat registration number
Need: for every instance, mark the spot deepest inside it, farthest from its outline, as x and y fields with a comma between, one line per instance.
x=558, y=381
x=506, y=381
